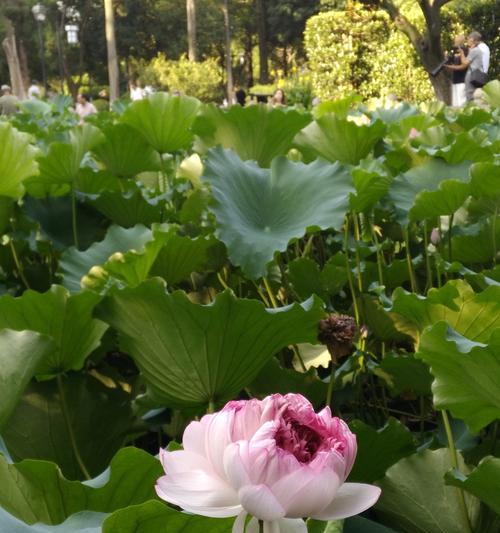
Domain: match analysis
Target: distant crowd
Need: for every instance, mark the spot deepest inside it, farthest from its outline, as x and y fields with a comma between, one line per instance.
x=468, y=61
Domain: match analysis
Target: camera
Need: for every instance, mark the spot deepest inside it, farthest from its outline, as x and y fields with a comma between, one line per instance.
x=449, y=60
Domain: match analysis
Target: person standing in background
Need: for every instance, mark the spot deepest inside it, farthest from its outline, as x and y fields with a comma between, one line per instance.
x=34, y=90
x=8, y=102
x=84, y=107
x=458, y=98
x=485, y=50
x=473, y=61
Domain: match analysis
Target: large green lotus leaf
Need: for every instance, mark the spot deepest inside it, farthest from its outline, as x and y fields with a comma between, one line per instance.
x=492, y=90
x=181, y=255
x=17, y=160
x=127, y=209
x=259, y=211
x=83, y=522
x=164, y=121
x=379, y=449
x=307, y=279
x=371, y=185
x=404, y=373
x=156, y=517
x=54, y=216
x=470, y=314
x=193, y=354
x=75, y=264
x=485, y=180
x=67, y=319
x=337, y=139
x=473, y=244
x=63, y=160
x=465, y=374
x=415, y=498
x=125, y=153
x=274, y=379
x=36, y=491
x=258, y=133
x=100, y=418
x=465, y=147
x=431, y=189
x=21, y=352
x=483, y=482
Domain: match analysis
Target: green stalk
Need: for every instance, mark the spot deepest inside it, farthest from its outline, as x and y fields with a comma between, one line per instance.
x=297, y=354
x=450, y=226
x=454, y=463
x=72, y=439
x=18, y=264
x=411, y=272
x=428, y=267
x=211, y=406
x=261, y=526
x=329, y=392
x=73, y=218
x=357, y=236
x=379, y=257
x=270, y=293
x=494, y=235
x=348, y=269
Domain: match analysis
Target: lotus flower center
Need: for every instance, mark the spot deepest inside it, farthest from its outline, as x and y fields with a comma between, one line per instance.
x=297, y=439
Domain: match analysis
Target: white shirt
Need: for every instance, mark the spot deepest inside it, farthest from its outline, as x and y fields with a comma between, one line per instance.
x=136, y=93
x=485, y=50
x=33, y=92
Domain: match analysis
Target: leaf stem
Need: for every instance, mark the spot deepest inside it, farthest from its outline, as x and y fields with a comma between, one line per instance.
x=73, y=218
x=211, y=406
x=454, y=463
x=69, y=427
x=494, y=235
x=329, y=391
x=450, y=226
x=298, y=355
x=428, y=268
x=348, y=270
x=357, y=237
x=377, y=249
x=261, y=526
x=270, y=292
x=411, y=272
x=18, y=264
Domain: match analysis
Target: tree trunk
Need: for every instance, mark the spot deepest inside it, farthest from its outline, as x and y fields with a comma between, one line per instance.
x=113, y=73
x=191, y=30
x=23, y=61
x=10, y=48
x=249, y=59
x=428, y=44
x=229, y=66
x=262, y=31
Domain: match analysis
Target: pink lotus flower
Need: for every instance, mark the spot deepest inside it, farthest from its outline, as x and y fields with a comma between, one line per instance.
x=413, y=133
x=274, y=459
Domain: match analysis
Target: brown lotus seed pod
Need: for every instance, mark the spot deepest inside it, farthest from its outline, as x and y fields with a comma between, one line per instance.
x=337, y=332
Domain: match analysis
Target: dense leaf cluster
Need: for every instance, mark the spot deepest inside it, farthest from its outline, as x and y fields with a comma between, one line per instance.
x=168, y=256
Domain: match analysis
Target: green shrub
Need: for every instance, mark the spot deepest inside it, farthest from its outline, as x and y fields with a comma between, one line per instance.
x=360, y=50
x=202, y=80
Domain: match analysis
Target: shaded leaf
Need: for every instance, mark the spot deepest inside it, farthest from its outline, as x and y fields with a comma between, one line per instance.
x=67, y=319
x=21, y=352
x=193, y=354
x=156, y=517
x=465, y=374
x=415, y=498
x=379, y=449
x=100, y=418
x=35, y=491
x=483, y=482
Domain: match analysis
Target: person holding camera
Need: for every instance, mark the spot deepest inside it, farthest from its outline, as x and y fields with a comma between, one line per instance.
x=458, y=98
x=472, y=64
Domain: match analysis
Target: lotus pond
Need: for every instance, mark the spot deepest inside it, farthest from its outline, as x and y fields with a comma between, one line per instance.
x=168, y=256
